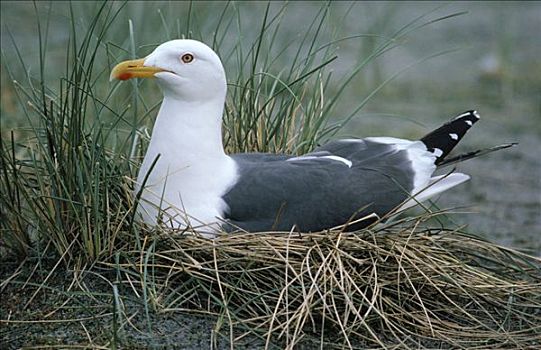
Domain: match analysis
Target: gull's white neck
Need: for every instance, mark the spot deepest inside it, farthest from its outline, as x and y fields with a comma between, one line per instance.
x=188, y=130
x=193, y=171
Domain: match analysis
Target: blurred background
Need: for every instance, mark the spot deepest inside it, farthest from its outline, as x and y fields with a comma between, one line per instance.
x=485, y=56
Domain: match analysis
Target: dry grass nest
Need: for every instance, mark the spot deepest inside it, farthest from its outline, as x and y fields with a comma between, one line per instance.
x=397, y=285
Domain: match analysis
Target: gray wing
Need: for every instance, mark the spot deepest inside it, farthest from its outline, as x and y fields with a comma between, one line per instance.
x=316, y=191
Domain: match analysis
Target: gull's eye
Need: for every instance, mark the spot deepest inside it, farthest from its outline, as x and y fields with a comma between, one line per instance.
x=187, y=58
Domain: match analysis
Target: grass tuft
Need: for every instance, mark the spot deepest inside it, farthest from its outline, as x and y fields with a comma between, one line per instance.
x=63, y=186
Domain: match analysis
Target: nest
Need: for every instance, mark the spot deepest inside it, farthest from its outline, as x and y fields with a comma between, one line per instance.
x=399, y=285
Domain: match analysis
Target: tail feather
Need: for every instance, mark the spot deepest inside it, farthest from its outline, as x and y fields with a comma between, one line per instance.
x=437, y=185
x=442, y=140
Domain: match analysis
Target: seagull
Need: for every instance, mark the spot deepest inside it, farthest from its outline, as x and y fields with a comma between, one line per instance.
x=187, y=180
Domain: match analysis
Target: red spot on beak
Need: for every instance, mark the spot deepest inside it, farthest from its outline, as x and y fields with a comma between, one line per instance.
x=124, y=76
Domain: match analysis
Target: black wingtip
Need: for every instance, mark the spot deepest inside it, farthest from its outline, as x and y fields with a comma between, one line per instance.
x=442, y=140
x=474, y=154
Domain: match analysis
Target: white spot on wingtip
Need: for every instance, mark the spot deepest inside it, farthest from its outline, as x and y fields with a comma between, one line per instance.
x=467, y=114
x=462, y=115
x=469, y=122
x=453, y=136
x=437, y=152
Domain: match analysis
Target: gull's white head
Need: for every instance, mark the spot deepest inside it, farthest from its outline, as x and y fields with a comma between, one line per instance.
x=185, y=69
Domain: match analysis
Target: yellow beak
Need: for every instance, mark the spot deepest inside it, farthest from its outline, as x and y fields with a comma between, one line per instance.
x=133, y=69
